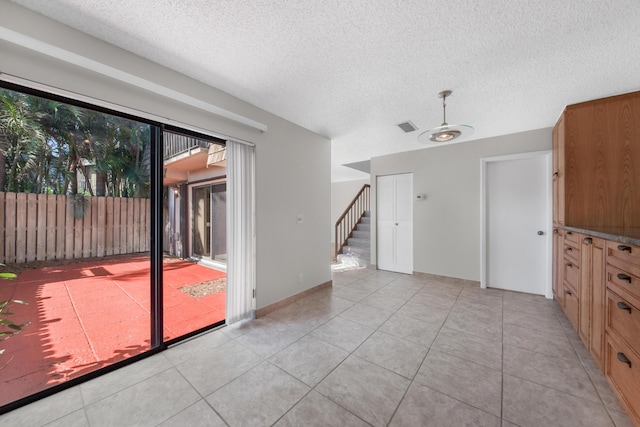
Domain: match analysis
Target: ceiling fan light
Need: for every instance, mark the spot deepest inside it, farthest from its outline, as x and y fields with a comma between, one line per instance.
x=444, y=136
x=444, y=132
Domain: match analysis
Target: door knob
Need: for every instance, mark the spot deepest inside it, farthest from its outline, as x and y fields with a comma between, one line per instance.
x=540, y=233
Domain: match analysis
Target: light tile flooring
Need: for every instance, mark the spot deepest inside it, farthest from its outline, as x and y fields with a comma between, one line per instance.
x=377, y=349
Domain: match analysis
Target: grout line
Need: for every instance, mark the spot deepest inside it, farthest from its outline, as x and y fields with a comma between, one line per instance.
x=84, y=330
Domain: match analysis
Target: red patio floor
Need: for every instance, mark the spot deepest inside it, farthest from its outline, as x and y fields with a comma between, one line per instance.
x=89, y=315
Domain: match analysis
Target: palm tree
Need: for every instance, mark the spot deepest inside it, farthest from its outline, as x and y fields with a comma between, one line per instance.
x=20, y=136
x=63, y=125
x=44, y=143
x=131, y=176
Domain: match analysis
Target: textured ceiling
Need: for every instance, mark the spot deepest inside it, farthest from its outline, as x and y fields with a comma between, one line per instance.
x=353, y=70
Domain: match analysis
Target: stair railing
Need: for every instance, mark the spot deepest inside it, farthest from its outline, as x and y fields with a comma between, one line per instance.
x=351, y=216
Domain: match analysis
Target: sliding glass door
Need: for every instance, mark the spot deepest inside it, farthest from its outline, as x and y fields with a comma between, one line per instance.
x=202, y=221
x=194, y=279
x=210, y=222
x=75, y=242
x=96, y=263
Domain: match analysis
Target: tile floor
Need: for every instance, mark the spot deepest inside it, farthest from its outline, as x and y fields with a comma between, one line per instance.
x=378, y=349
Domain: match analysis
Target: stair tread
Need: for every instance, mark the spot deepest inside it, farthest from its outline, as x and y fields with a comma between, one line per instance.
x=360, y=242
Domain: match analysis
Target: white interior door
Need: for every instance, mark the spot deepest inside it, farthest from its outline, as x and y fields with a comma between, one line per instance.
x=395, y=222
x=518, y=206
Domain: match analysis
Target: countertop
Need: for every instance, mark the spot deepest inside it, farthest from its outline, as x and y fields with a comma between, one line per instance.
x=630, y=236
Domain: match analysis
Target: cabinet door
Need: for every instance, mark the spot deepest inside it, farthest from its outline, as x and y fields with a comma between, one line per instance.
x=555, y=261
x=558, y=137
x=585, y=289
x=598, y=301
x=558, y=259
x=601, y=148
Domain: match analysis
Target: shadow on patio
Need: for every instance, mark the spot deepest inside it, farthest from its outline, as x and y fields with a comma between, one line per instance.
x=88, y=315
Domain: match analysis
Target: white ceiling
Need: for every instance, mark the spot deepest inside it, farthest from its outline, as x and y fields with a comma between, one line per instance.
x=353, y=69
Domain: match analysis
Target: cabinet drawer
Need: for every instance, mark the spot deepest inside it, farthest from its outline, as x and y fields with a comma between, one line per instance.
x=571, y=305
x=623, y=318
x=622, y=368
x=623, y=256
x=571, y=273
x=622, y=279
x=572, y=236
x=571, y=251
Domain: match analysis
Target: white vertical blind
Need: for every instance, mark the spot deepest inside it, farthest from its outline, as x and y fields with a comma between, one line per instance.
x=240, y=231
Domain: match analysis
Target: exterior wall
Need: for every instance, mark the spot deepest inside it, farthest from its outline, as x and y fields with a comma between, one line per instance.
x=207, y=173
x=446, y=226
x=292, y=163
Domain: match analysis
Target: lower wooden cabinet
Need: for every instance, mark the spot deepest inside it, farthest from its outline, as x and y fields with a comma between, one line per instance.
x=622, y=369
x=592, y=296
x=556, y=264
x=570, y=271
x=623, y=317
x=571, y=305
x=597, y=284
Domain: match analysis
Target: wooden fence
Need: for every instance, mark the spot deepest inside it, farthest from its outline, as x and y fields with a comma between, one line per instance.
x=43, y=227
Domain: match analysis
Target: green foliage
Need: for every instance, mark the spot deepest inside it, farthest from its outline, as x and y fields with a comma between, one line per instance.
x=8, y=328
x=50, y=147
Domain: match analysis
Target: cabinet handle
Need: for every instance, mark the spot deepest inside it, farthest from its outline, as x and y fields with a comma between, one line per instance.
x=556, y=174
x=624, y=277
x=569, y=265
x=568, y=293
x=624, y=359
x=624, y=248
x=568, y=249
x=555, y=231
x=588, y=240
x=569, y=233
x=623, y=306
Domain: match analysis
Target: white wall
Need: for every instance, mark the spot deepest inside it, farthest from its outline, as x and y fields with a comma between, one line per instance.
x=342, y=193
x=446, y=228
x=292, y=163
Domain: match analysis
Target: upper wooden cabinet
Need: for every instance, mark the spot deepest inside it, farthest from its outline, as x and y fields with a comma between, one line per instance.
x=596, y=148
x=558, y=171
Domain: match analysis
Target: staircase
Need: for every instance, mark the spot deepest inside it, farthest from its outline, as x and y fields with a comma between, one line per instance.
x=360, y=242
x=353, y=227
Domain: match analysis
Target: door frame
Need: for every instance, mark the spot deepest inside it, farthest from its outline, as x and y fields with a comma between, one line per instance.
x=484, y=256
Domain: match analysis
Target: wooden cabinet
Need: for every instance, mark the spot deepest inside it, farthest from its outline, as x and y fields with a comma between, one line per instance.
x=571, y=277
x=558, y=171
x=596, y=188
x=596, y=147
x=556, y=281
x=622, y=358
x=622, y=369
x=597, y=284
x=623, y=317
x=592, y=297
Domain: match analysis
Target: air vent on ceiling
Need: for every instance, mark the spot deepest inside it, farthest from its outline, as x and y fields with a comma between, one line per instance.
x=407, y=126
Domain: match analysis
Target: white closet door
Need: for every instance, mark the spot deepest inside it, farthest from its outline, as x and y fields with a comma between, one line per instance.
x=395, y=223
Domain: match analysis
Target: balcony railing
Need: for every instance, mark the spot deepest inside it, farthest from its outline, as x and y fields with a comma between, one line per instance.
x=175, y=144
